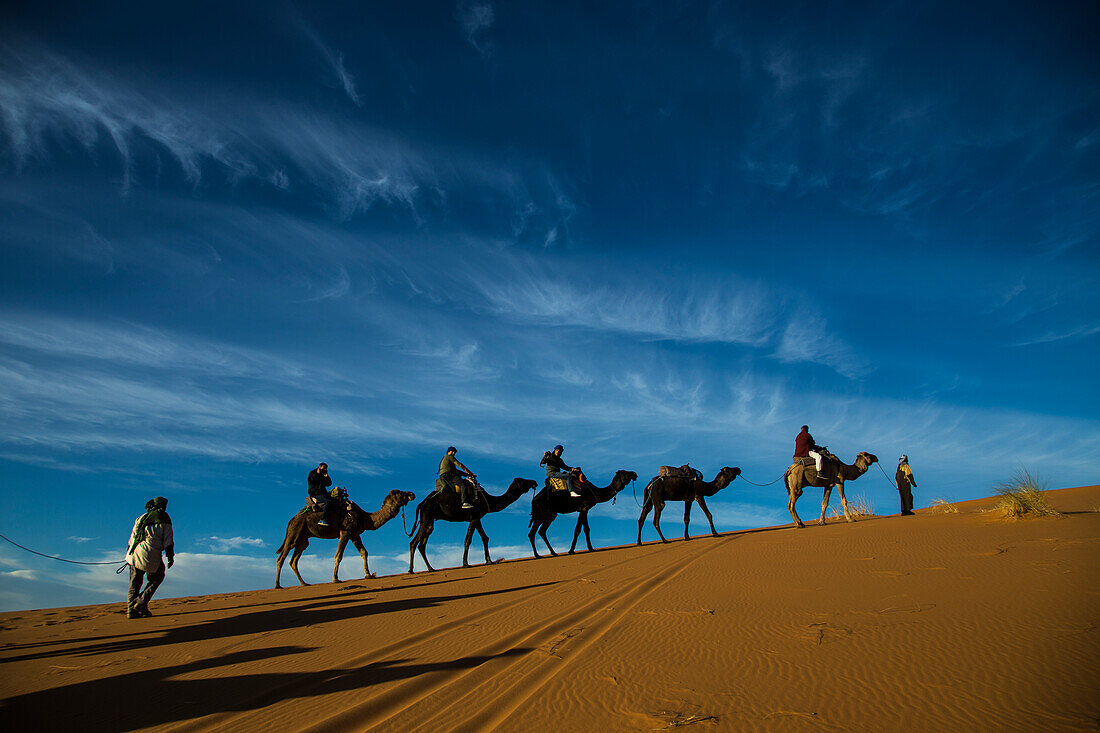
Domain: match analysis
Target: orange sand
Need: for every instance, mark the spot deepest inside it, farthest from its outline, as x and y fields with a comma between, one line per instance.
x=937, y=622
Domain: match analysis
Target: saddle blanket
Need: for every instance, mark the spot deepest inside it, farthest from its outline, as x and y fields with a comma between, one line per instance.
x=684, y=471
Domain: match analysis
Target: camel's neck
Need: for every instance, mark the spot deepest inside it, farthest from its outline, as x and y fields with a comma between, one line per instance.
x=607, y=492
x=388, y=511
x=502, y=502
x=720, y=482
x=855, y=471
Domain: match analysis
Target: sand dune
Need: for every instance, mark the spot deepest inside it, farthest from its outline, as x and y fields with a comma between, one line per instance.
x=936, y=622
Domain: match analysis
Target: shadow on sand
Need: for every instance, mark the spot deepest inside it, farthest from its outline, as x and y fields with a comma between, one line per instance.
x=157, y=696
x=327, y=610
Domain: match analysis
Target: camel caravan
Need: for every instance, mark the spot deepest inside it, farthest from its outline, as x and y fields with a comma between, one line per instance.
x=458, y=497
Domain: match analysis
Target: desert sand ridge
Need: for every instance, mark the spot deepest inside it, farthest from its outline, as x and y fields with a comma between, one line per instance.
x=935, y=622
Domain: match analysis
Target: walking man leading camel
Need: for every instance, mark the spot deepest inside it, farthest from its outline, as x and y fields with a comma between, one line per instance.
x=904, y=480
x=152, y=534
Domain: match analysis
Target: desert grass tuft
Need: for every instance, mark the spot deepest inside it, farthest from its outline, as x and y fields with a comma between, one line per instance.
x=858, y=506
x=1023, y=495
x=943, y=506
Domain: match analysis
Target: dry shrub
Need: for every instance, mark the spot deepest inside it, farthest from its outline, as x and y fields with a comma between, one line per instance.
x=943, y=506
x=1023, y=495
x=858, y=506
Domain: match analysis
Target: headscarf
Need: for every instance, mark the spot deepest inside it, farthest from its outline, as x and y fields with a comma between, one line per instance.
x=154, y=514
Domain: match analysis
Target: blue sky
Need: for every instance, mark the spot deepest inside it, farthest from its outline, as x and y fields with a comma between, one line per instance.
x=240, y=240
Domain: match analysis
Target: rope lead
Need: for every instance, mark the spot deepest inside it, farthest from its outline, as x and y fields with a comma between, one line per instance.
x=61, y=559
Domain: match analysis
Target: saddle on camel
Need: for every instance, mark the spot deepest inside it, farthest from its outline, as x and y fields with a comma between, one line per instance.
x=830, y=466
x=560, y=476
x=338, y=498
x=684, y=471
x=556, y=483
x=459, y=488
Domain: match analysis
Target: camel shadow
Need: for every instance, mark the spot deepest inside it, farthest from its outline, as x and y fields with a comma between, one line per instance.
x=257, y=622
x=158, y=696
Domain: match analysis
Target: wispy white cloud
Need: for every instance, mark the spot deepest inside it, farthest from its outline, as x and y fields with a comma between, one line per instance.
x=474, y=18
x=137, y=345
x=334, y=59
x=651, y=305
x=1065, y=334
x=225, y=545
x=351, y=166
x=809, y=340
x=21, y=574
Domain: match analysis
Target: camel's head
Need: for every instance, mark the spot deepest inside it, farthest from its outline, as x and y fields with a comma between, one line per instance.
x=868, y=458
x=730, y=472
x=400, y=497
x=522, y=485
x=626, y=476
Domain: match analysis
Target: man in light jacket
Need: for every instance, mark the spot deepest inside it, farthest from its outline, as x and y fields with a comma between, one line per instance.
x=905, y=480
x=152, y=535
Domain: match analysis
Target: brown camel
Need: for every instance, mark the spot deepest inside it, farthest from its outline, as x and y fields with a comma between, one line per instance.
x=352, y=521
x=676, y=488
x=798, y=477
x=547, y=505
x=446, y=505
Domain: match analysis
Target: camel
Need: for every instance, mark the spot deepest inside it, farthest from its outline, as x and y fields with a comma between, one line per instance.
x=547, y=505
x=675, y=488
x=798, y=477
x=354, y=522
x=447, y=506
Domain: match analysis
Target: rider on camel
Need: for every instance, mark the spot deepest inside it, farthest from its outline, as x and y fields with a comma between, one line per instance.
x=318, y=482
x=556, y=468
x=805, y=447
x=454, y=474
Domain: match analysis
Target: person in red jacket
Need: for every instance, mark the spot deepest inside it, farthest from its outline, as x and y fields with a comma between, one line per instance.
x=804, y=446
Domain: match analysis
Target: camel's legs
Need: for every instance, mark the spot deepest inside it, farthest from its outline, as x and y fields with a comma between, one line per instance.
x=687, y=517
x=658, y=507
x=484, y=540
x=531, y=536
x=542, y=533
x=283, y=552
x=703, y=505
x=582, y=523
x=645, y=512
x=427, y=524
x=587, y=532
x=466, y=546
x=577, y=532
x=825, y=502
x=793, y=492
x=339, y=556
x=303, y=543
x=363, y=554
x=843, y=501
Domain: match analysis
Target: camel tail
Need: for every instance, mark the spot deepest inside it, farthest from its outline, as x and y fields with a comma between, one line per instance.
x=286, y=537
